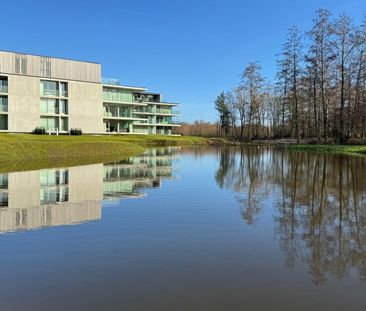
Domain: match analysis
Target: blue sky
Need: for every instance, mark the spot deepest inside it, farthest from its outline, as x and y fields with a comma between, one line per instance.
x=188, y=50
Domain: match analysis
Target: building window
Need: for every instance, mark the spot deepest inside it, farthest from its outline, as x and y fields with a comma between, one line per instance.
x=21, y=64
x=54, y=186
x=49, y=105
x=45, y=67
x=64, y=89
x=63, y=106
x=3, y=122
x=4, y=199
x=4, y=180
x=3, y=104
x=3, y=84
x=54, y=177
x=50, y=123
x=64, y=124
x=49, y=88
x=57, y=106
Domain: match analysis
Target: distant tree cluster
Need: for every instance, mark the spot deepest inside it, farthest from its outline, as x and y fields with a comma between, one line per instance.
x=319, y=90
x=199, y=128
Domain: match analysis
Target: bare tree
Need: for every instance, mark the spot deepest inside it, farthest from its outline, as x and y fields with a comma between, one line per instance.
x=253, y=80
x=292, y=53
x=345, y=43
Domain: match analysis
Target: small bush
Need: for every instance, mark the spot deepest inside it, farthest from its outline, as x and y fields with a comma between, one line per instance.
x=76, y=132
x=39, y=131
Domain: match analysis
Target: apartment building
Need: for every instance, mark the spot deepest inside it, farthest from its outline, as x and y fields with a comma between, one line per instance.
x=60, y=94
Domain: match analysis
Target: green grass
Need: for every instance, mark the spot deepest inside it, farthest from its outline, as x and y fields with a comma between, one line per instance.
x=335, y=149
x=26, y=151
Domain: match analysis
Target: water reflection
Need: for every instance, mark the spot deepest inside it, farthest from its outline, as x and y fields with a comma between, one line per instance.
x=54, y=197
x=319, y=204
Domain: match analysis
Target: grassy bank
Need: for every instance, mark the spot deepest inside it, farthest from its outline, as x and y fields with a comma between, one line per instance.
x=25, y=151
x=335, y=149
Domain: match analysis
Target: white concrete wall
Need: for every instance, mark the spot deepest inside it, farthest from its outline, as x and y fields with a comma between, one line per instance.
x=86, y=107
x=86, y=183
x=23, y=103
x=84, y=100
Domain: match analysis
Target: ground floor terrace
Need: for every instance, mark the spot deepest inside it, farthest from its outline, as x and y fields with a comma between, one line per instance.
x=125, y=126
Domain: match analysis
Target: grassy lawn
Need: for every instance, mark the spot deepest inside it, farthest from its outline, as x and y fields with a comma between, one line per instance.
x=336, y=149
x=26, y=151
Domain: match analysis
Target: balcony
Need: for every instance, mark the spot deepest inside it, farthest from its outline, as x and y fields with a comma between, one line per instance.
x=155, y=111
x=116, y=114
x=167, y=111
x=119, y=113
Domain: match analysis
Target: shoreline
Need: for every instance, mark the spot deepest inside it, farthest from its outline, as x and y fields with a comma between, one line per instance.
x=20, y=152
x=359, y=150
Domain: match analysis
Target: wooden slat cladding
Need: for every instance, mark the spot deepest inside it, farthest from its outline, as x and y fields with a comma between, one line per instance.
x=48, y=67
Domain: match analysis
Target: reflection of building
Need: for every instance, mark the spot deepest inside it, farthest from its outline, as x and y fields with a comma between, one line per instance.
x=54, y=197
x=34, y=199
x=125, y=177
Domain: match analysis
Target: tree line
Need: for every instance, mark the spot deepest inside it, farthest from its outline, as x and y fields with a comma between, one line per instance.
x=319, y=90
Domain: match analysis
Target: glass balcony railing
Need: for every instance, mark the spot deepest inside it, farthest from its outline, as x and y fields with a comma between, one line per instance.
x=144, y=110
x=118, y=114
x=161, y=111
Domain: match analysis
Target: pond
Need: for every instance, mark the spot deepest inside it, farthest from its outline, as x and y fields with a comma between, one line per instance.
x=214, y=228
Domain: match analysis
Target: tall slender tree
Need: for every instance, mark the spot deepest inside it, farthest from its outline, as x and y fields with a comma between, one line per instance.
x=321, y=56
x=345, y=43
x=253, y=80
x=224, y=113
x=292, y=52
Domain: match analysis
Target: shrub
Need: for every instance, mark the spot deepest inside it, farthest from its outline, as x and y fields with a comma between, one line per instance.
x=76, y=131
x=39, y=131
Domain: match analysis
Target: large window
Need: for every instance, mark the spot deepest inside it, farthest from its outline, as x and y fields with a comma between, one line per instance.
x=117, y=95
x=63, y=106
x=57, y=106
x=64, y=124
x=4, y=199
x=49, y=105
x=50, y=123
x=49, y=88
x=3, y=84
x=3, y=122
x=64, y=89
x=54, y=195
x=54, y=177
x=3, y=104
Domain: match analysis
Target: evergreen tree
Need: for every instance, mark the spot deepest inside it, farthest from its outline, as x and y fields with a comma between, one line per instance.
x=224, y=113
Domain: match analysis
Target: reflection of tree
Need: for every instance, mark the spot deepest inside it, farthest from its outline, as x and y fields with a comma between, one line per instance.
x=320, y=204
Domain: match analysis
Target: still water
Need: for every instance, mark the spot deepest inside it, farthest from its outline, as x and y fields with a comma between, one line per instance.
x=187, y=229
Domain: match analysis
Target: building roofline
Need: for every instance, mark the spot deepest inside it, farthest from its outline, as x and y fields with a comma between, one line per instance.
x=39, y=55
x=150, y=93
x=128, y=87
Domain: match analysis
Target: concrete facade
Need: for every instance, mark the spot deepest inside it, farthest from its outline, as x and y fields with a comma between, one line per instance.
x=59, y=94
